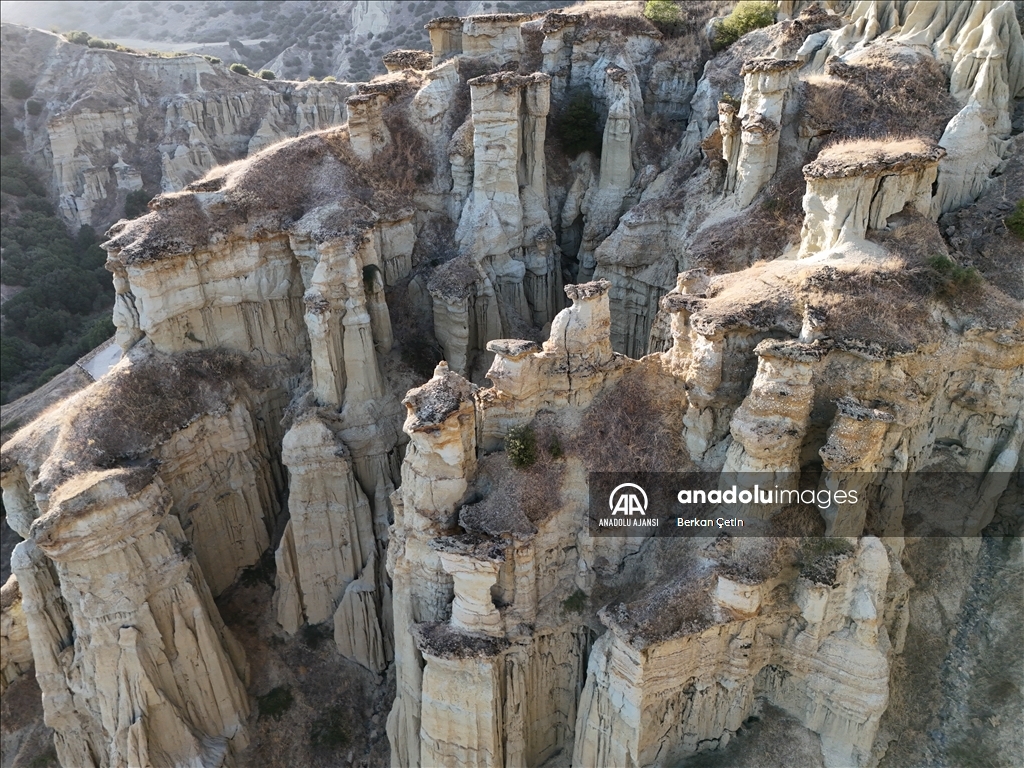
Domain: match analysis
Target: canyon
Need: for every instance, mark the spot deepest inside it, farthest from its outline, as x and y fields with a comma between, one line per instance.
x=787, y=260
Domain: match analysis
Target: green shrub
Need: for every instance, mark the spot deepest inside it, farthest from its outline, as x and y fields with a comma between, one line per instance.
x=954, y=278
x=275, y=703
x=521, y=446
x=555, y=447
x=136, y=203
x=575, y=603
x=266, y=74
x=33, y=107
x=239, y=69
x=746, y=16
x=661, y=12
x=577, y=127
x=1015, y=221
x=13, y=186
x=19, y=89
x=78, y=37
x=328, y=731
x=330, y=79
x=212, y=59
x=95, y=42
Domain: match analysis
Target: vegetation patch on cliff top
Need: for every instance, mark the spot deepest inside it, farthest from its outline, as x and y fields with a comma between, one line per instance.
x=635, y=425
x=125, y=415
x=889, y=89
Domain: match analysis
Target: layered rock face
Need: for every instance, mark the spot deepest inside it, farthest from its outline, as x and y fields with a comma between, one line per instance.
x=112, y=123
x=776, y=128
x=134, y=662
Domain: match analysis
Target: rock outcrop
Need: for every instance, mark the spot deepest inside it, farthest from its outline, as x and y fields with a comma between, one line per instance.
x=112, y=123
x=857, y=186
x=135, y=664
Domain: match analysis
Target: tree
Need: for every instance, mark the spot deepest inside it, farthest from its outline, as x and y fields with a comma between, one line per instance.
x=746, y=16
x=267, y=74
x=577, y=127
x=239, y=69
x=19, y=89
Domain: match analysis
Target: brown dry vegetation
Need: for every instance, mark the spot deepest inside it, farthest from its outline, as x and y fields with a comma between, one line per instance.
x=680, y=606
x=125, y=415
x=635, y=426
x=888, y=302
x=516, y=500
x=978, y=233
x=761, y=232
x=888, y=89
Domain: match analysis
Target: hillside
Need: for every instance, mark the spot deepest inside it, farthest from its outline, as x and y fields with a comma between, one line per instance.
x=295, y=40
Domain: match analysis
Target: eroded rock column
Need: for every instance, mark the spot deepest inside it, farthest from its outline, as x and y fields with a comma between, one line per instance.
x=155, y=677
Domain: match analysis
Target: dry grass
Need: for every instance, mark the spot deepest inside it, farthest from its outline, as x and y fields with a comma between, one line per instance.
x=885, y=149
x=635, y=426
x=682, y=606
x=978, y=233
x=454, y=279
x=125, y=415
x=515, y=500
x=762, y=232
x=887, y=91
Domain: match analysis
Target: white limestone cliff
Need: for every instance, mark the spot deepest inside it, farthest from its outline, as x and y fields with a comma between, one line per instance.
x=196, y=115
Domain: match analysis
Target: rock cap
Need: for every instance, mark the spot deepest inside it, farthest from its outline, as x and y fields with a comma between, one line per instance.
x=863, y=157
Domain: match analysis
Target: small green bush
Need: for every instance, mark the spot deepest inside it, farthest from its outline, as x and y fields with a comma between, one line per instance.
x=78, y=37
x=661, y=13
x=33, y=107
x=266, y=74
x=95, y=42
x=239, y=69
x=19, y=89
x=275, y=703
x=577, y=127
x=555, y=447
x=575, y=603
x=212, y=59
x=746, y=16
x=521, y=446
x=1015, y=221
x=954, y=278
x=328, y=731
x=136, y=203
x=330, y=79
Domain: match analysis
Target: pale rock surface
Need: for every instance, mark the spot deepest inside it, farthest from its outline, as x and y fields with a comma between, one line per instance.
x=766, y=85
x=15, y=647
x=329, y=537
x=970, y=160
x=854, y=187
x=96, y=101
x=155, y=677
